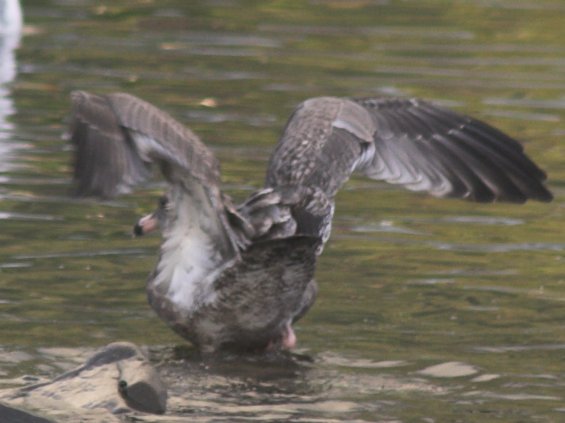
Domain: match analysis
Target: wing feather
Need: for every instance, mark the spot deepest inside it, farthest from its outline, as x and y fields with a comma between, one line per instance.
x=160, y=137
x=105, y=161
x=475, y=151
x=403, y=141
x=118, y=136
x=321, y=144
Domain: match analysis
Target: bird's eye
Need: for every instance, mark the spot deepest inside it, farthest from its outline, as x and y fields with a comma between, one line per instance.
x=163, y=202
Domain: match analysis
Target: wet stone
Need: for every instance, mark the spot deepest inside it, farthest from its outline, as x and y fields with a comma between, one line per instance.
x=116, y=379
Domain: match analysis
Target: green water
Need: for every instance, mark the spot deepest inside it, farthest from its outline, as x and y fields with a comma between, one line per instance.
x=407, y=282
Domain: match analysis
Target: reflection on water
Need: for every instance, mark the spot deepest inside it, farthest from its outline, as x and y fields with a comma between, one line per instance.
x=10, y=33
x=428, y=310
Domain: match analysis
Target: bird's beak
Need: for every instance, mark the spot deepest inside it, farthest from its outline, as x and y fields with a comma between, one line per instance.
x=146, y=224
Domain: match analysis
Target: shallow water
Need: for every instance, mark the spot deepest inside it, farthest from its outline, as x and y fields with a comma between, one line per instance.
x=429, y=310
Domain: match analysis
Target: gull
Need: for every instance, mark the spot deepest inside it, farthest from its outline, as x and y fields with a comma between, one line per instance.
x=238, y=276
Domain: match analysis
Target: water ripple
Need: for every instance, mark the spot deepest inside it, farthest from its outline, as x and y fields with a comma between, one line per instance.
x=482, y=220
x=520, y=348
x=527, y=116
x=513, y=397
x=385, y=226
x=15, y=265
x=28, y=217
x=388, y=31
x=450, y=369
x=499, y=248
x=121, y=252
x=526, y=102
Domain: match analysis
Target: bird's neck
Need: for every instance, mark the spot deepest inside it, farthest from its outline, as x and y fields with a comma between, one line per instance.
x=192, y=255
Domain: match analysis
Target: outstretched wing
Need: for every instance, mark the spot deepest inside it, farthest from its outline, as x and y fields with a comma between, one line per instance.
x=403, y=141
x=118, y=136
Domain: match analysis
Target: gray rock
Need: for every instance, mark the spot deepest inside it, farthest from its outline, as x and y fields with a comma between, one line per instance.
x=115, y=380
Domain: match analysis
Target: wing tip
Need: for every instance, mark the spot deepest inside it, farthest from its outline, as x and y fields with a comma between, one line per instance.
x=541, y=194
x=544, y=196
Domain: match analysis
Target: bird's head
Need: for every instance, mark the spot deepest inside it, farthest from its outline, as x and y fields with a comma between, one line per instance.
x=153, y=221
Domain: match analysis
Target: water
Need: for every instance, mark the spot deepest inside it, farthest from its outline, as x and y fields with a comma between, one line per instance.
x=429, y=310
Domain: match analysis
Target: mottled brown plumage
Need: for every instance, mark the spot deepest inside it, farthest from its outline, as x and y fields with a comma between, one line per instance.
x=237, y=277
x=403, y=141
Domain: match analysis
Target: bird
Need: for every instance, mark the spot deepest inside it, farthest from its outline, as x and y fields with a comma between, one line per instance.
x=236, y=277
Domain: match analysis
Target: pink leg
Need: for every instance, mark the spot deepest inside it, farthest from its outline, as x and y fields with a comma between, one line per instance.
x=287, y=340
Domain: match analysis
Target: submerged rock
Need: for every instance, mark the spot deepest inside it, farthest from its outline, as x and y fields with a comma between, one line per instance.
x=115, y=380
